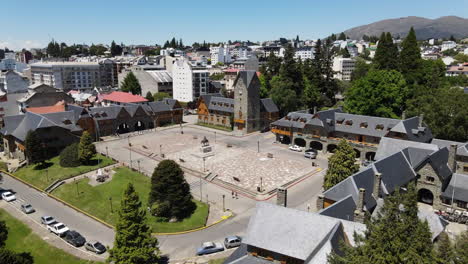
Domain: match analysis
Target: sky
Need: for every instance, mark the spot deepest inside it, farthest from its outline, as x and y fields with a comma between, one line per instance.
x=33, y=23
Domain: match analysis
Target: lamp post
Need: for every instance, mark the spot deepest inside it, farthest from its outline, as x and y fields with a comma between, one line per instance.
x=107, y=151
x=76, y=184
x=110, y=202
x=129, y=150
x=215, y=136
x=47, y=174
x=224, y=208
x=261, y=183
x=258, y=146
x=139, y=166
x=203, y=164
x=160, y=151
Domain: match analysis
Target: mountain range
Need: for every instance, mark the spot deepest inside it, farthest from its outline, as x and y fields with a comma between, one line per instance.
x=442, y=27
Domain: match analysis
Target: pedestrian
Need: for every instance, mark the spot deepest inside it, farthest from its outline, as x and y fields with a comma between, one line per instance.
x=232, y=194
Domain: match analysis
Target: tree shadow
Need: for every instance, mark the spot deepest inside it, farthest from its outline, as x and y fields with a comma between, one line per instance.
x=43, y=165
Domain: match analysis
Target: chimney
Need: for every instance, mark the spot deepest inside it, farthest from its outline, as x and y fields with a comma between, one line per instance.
x=452, y=158
x=282, y=197
x=403, y=115
x=320, y=202
x=377, y=183
x=359, y=214
x=421, y=117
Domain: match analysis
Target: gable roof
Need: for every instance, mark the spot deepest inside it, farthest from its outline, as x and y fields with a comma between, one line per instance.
x=410, y=127
x=364, y=125
x=389, y=146
x=123, y=97
x=396, y=171
x=342, y=209
x=462, y=149
x=457, y=188
x=269, y=105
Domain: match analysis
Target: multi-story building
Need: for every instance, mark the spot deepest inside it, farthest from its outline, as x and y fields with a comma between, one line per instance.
x=304, y=53
x=75, y=75
x=245, y=113
x=456, y=70
x=13, y=82
x=220, y=54
x=343, y=67
x=446, y=45
x=276, y=50
x=189, y=82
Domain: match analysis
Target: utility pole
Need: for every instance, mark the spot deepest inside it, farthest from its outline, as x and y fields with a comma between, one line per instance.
x=224, y=208
x=76, y=183
x=139, y=166
x=258, y=146
x=215, y=136
x=203, y=164
x=130, y=150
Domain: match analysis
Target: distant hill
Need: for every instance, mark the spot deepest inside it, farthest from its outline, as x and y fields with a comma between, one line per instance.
x=425, y=28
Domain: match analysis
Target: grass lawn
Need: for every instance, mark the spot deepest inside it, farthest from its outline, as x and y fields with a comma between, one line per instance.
x=217, y=261
x=95, y=200
x=42, y=177
x=215, y=126
x=22, y=239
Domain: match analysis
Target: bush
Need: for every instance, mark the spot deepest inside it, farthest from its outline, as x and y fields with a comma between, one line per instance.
x=162, y=210
x=3, y=166
x=69, y=156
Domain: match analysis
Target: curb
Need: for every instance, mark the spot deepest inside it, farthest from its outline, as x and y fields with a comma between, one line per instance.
x=105, y=223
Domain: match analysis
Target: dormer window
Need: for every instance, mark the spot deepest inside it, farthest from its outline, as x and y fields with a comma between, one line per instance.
x=379, y=127
x=363, y=125
x=349, y=122
x=340, y=121
x=66, y=122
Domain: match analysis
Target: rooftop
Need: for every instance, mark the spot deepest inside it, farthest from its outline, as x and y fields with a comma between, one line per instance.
x=123, y=97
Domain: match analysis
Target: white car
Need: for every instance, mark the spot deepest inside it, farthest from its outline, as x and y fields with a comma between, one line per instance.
x=8, y=196
x=59, y=229
x=295, y=148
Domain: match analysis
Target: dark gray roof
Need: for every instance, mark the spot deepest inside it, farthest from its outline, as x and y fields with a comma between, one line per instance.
x=342, y=190
x=365, y=179
x=105, y=112
x=458, y=188
x=411, y=128
x=240, y=252
x=396, y=171
x=222, y=104
x=389, y=146
x=462, y=149
x=439, y=162
x=342, y=209
x=249, y=259
x=269, y=105
x=416, y=156
x=364, y=125
x=246, y=77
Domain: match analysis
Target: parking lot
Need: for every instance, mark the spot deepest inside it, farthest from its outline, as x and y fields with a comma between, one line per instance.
x=244, y=162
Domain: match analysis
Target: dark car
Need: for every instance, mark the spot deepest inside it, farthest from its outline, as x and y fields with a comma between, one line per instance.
x=95, y=246
x=74, y=238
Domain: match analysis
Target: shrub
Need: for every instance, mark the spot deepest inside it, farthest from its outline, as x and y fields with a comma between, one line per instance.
x=162, y=210
x=69, y=156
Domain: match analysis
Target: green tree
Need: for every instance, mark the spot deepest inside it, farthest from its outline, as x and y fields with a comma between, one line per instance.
x=380, y=93
x=461, y=249
x=35, y=152
x=115, y=49
x=149, y=96
x=3, y=233
x=290, y=70
x=133, y=241
x=86, y=148
x=342, y=36
x=341, y=165
x=410, y=57
x=444, y=249
x=386, y=239
x=169, y=186
x=131, y=84
x=386, y=55
x=311, y=95
x=10, y=257
x=283, y=94
x=69, y=156
x=160, y=95
x=361, y=69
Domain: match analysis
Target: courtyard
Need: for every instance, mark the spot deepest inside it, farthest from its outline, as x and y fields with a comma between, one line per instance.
x=249, y=162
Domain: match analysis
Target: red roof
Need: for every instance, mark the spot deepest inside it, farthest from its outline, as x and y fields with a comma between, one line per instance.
x=123, y=97
x=59, y=107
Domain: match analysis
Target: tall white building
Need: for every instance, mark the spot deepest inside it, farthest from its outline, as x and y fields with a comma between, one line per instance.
x=220, y=54
x=343, y=67
x=446, y=45
x=188, y=82
x=304, y=53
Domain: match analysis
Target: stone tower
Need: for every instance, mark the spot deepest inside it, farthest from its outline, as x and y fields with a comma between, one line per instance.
x=246, y=103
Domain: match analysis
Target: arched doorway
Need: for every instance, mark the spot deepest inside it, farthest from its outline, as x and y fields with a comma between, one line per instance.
x=123, y=128
x=151, y=125
x=285, y=140
x=425, y=196
x=331, y=148
x=370, y=156
x=300, y=142
x=358, y=153
x=139, y=126
x=316, y=145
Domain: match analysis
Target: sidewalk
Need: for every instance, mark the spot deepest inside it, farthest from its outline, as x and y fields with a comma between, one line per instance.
x=49, y=238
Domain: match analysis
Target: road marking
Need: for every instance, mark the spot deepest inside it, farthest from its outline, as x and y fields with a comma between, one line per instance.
x=40, y=225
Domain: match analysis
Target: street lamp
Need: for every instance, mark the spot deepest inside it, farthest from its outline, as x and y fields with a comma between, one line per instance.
x=215, y=136
x=160, y=151
x=139, y=166
x=258, y=146
x=224, y=208
x=47, y=174
x=110, y=202
x=76, y=183
x=130, y=150
x=203, y=164
x=107, y=151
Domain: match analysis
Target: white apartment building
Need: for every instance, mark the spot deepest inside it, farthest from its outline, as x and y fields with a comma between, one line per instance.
x=304, y=53
x=220, y=54
x=343, y=68
x=188, y=82
x=9, y=63
x=75, y=75
x=446, y=45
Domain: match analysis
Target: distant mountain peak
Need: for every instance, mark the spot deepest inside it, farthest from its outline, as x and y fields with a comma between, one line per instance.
x=442, y=27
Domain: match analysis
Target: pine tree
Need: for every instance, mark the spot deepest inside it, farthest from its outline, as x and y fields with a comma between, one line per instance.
x=35, y=152
x=393, y=55
x=341, y=165
x=149, y=96
x=444, y=249
x=380, y=57
x=86, y=148
x=169, y=186
x=410, y=58
x=173, y=43
x=133, y=241
x=131, y=84
x=461, y=249
x=342, y=36
x=290, y=70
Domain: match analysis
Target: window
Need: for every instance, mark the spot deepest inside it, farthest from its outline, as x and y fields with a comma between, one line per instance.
x=363, y=125
x=349, y=122
x=430, y=179
x=461, y=204
x=465, y=168
x=379, y=127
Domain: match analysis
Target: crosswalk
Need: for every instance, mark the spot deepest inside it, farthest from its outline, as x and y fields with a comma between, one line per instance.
x=27, y=198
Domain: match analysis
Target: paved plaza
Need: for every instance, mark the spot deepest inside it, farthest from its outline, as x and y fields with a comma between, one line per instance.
x=233, y=160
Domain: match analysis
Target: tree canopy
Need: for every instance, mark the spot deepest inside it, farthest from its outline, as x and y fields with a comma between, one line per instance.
x=35, y=152
x=131, y=84
x=86, y=148
x=341, y=165
x=160, y=95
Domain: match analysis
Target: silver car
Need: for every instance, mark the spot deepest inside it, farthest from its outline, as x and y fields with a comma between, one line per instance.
x=232, y=241
x=310, y=154
x=27, y=209
x=48, y=220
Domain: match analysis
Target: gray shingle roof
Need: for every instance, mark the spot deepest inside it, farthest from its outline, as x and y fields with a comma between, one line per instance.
x=269, y=105
x=396, y=171
x=411, y=128
x=389, y=146
x=222, y=104
x=105, y=112
x=342, y=190
x=342, y=209
x=458, y=187
x=358, y=121
x=365, y=179
x=462, y=149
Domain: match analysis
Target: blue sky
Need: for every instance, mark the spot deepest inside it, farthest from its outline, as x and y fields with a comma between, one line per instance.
x=32, y=23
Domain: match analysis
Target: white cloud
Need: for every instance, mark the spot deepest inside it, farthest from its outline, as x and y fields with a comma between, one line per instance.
x=20, y=44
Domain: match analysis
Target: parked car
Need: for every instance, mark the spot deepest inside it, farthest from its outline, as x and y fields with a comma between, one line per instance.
x=232, y=241
x=209, y=247
x=27, y=209
x=59, y=229
x=74, y=238
x=47, y=220
x=95, y=246
x=310, y=154
x=295, y=148
x=8, y=196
